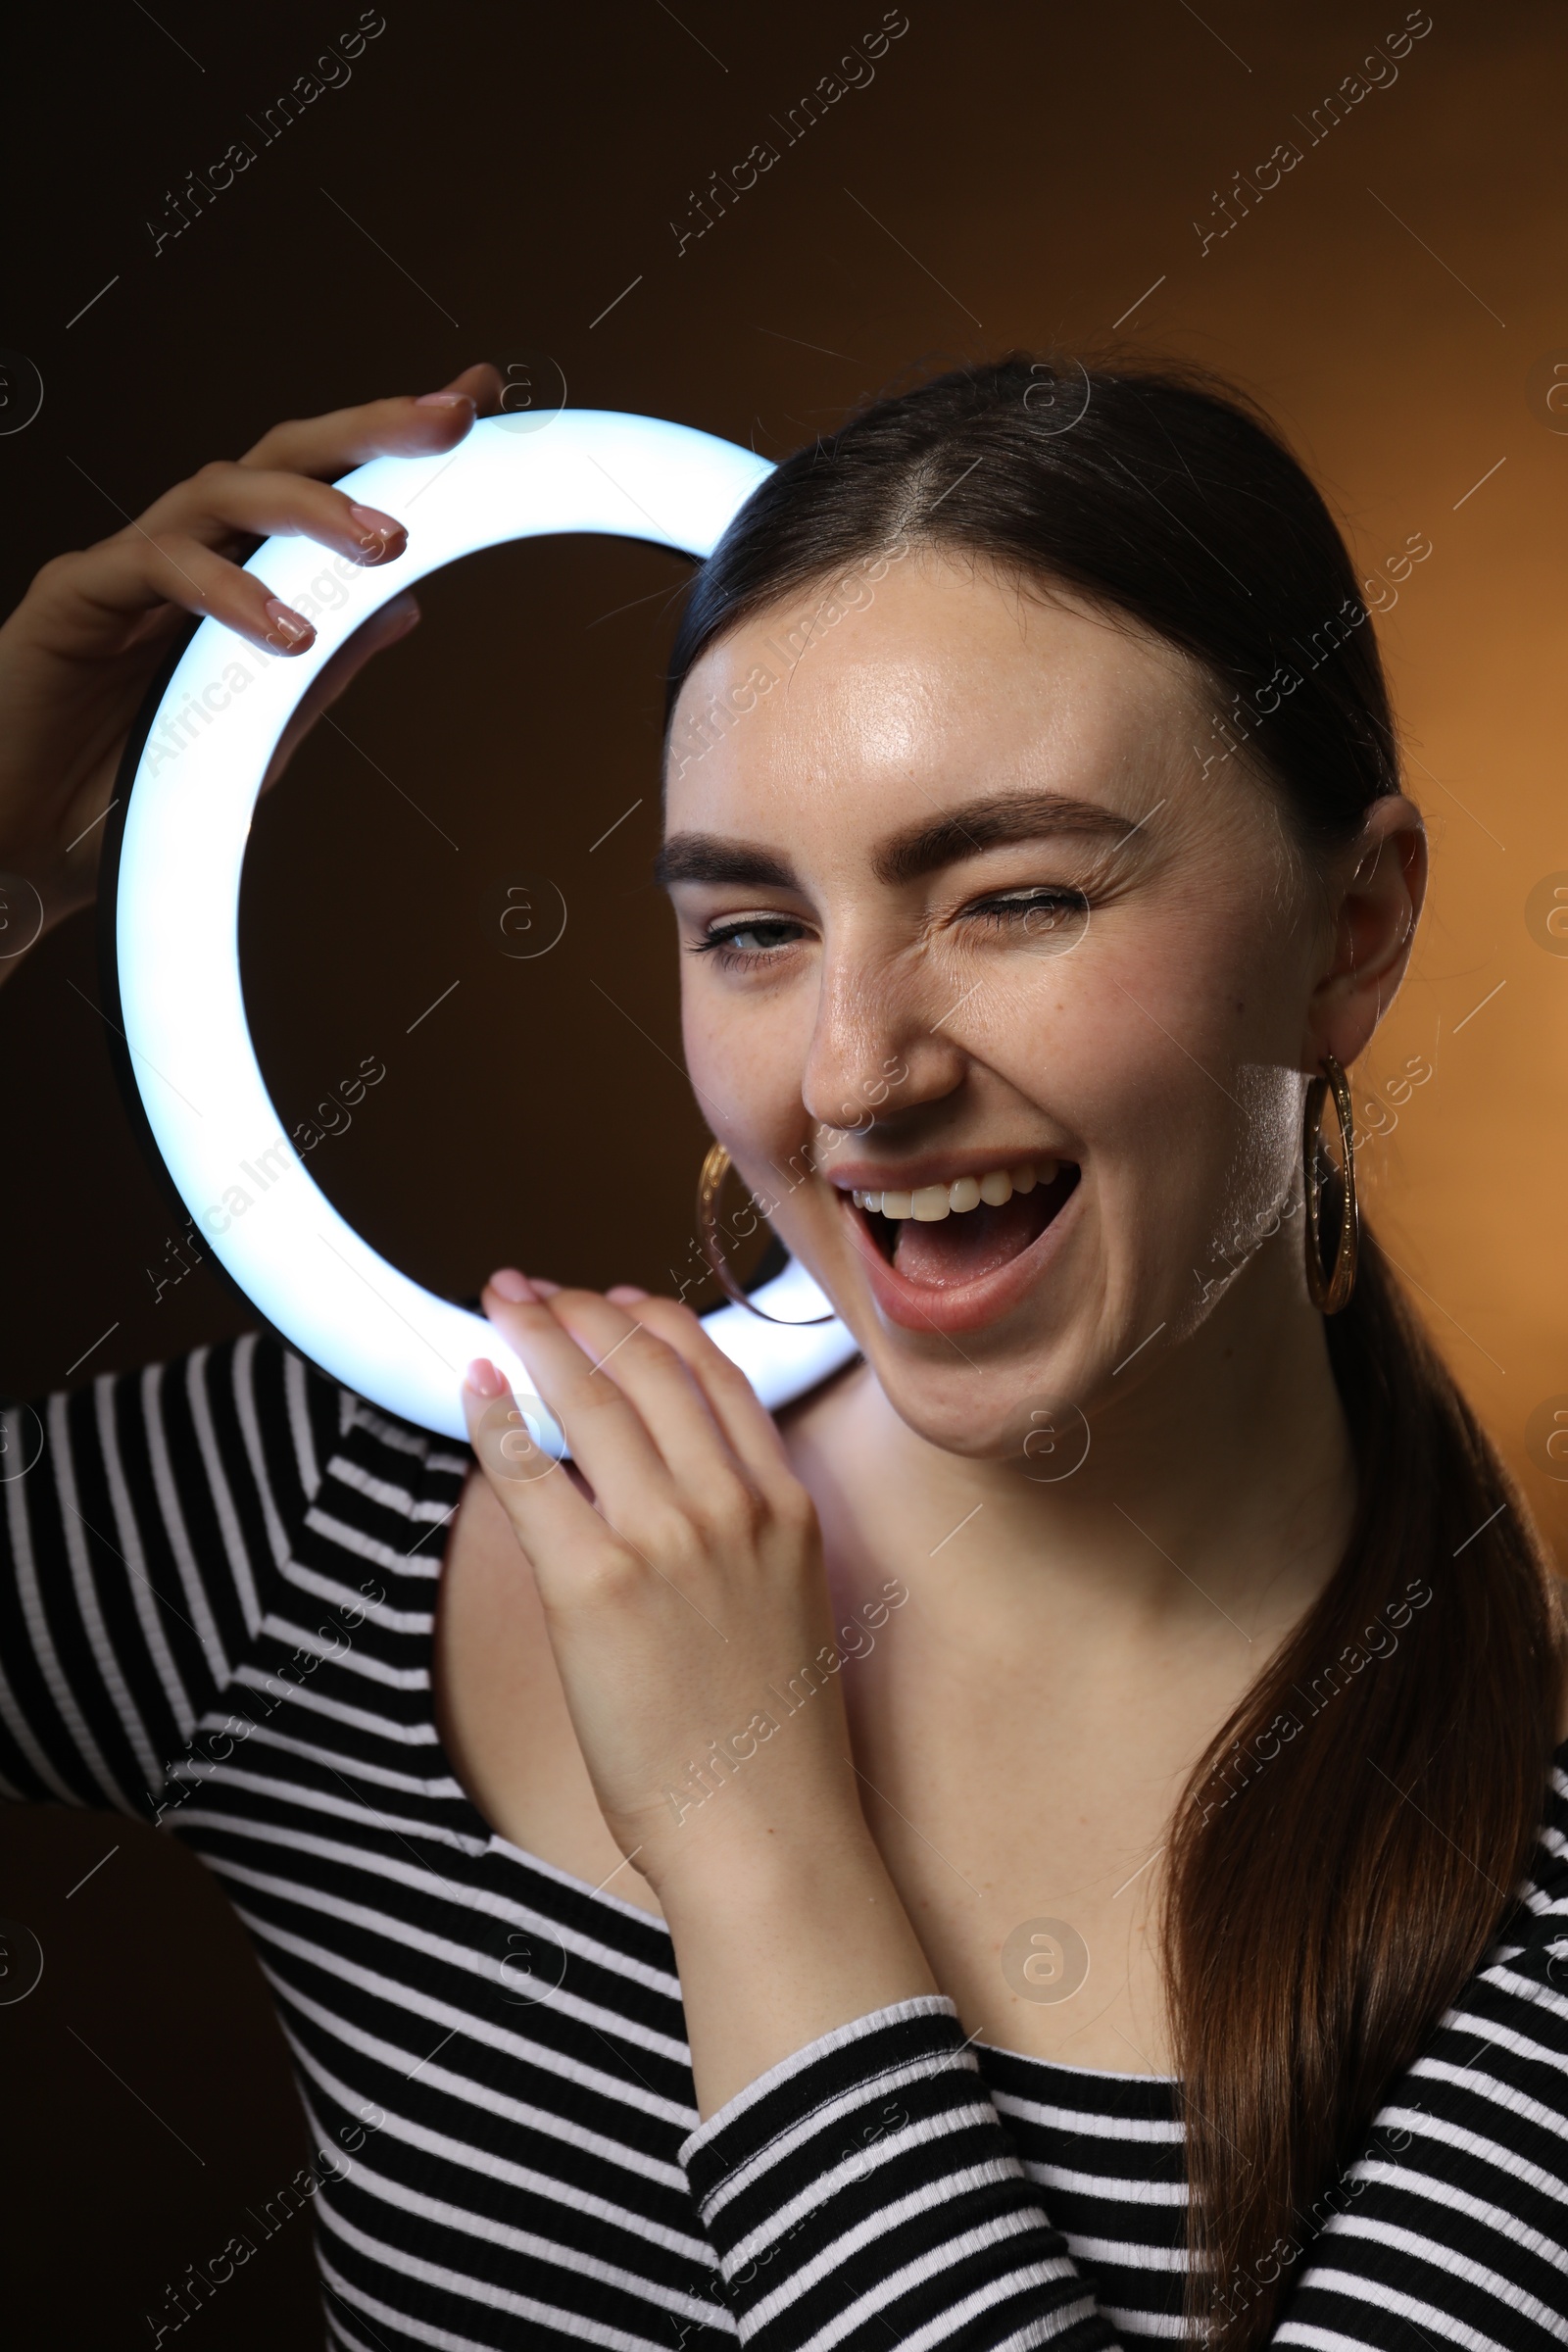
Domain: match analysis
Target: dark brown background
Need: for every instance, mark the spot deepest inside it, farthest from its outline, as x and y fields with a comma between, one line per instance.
x=1015, y=174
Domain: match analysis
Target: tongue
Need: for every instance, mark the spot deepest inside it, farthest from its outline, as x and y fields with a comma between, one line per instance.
x=960, y=1248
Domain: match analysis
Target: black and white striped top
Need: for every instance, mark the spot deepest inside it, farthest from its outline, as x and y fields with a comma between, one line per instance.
x=217, y=1611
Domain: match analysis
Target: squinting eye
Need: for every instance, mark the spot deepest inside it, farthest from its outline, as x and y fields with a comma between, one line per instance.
x=1035, y=910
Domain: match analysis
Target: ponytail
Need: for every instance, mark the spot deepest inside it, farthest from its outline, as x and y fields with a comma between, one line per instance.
x=1353, y=1838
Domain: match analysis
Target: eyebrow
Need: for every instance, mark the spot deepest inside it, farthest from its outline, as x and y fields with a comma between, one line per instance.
x=991, y=822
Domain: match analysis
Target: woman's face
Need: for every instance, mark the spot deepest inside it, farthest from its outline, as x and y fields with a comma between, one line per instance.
x=960, y=915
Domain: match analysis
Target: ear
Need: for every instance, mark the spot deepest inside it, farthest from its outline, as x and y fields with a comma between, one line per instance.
x=1379, y=887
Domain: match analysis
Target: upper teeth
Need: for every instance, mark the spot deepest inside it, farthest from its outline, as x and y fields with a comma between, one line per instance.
x=930, y=1202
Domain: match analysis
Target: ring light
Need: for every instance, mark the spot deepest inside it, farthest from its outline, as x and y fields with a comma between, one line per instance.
x=181, y=849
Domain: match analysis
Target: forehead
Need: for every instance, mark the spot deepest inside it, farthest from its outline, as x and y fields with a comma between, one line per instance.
x=862, y=697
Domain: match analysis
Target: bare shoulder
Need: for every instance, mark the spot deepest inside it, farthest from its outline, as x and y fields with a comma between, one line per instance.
x=493, y=1661
x=501, y=1710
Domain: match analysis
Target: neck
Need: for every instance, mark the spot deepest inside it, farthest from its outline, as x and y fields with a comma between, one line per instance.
x=1214, y=1498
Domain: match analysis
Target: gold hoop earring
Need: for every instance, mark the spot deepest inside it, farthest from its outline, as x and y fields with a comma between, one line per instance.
x=716, y=1167
x=1331, y=1293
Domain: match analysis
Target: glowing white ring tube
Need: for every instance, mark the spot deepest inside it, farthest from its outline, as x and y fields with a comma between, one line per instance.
x=182, y=850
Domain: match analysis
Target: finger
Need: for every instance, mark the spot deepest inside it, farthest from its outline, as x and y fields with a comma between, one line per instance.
x=748, y=1427
x=610, y=1440
x=171, y=555
x=223, y=503
x=553, y=1520
x=388, y=626
x=409, y=425
x=135, y=570
x=701, y=1461
x=483, y=384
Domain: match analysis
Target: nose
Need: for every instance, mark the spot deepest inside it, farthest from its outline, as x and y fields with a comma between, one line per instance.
x=879, y=1051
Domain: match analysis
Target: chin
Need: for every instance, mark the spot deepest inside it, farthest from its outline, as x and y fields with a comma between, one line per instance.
x=983, y=1415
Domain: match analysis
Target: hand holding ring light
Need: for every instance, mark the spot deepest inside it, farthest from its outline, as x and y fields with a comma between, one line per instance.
x=185, y=821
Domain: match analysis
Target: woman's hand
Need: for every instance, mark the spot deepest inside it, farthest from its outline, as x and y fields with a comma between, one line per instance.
x=79, y=653
x=688, y=1611
x=685, y=1596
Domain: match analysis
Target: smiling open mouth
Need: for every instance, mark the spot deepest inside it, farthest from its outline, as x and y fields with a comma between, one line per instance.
x=944, y=1236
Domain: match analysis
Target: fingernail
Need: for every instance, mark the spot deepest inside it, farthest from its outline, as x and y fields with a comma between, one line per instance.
x=507, y=1282
x=377, y=531
x=484, y=1379
x=626, y=1294
x=293, y=630
x=443, y=400
x=544, y=1285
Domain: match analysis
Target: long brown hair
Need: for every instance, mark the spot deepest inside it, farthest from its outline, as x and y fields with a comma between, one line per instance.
x=1353, y=1836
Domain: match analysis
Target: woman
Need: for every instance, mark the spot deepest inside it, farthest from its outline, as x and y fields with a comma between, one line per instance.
x=1084, y=1781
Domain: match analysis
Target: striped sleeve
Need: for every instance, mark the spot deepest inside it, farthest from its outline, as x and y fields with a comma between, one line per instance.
x=866, y=2191
x=143, y=1523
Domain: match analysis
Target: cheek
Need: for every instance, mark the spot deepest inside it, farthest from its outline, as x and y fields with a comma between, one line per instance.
x=1139, y=1032
x=1169, y=1057
x=744, y=1054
